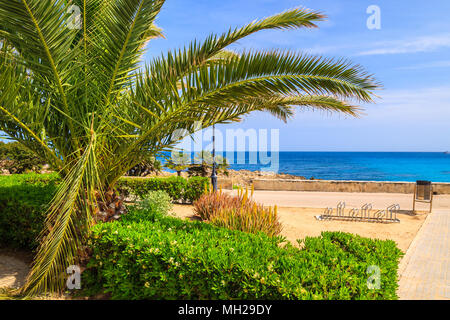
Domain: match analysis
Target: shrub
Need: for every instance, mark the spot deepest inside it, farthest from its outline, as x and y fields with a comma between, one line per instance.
x=209, y=204
x=178, y=188
x=195, y=188
x=22, y=210
x=238, y=213
x=156, y=201
x=24, y=199
x=16, y=158
x=252, y=219
x=153, y=257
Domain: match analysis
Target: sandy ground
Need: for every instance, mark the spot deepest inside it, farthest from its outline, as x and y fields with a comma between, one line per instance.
x=312, y=199
x=14, y=267
x=299, y=223
x=12, y=272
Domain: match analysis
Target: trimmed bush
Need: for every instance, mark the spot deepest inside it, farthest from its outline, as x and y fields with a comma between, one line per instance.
x=148, y=256
x=178, y=188
x=22, y=210
x=24, y=199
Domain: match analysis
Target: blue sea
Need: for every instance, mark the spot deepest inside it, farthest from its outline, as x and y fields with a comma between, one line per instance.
x=373, y=166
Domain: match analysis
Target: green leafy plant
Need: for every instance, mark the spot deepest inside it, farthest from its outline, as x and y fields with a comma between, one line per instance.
x=78, y=98
x=156, y=201
x=178, y=188
x=16, y=158
x=147, y=256
x=22, y=209
x=24, y=200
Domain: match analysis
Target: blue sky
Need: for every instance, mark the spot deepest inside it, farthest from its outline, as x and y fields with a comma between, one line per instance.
x=410, y=56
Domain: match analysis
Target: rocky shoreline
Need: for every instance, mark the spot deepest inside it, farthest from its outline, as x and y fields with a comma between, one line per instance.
x=243, y=177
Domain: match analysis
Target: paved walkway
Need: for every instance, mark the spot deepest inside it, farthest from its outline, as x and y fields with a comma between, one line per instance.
x=308, y=199
x=425, y=269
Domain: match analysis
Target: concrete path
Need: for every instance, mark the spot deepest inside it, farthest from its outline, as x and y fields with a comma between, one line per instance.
x=425, y=270
x=308, y=199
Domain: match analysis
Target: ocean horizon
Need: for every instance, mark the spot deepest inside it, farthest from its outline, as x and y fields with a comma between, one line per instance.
x=344, y=165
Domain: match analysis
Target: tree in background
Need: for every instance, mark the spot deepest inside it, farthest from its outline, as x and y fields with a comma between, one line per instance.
x=79, y=99
x=203, y=162
x=15, y=158
x=179, y=162
x=146, y=167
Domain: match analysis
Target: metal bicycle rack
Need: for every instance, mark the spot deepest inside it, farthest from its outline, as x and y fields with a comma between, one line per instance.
x=363, y=214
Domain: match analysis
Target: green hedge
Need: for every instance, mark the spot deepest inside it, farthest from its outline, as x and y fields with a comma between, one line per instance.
x=147, y=256
x=178, y=188
x=23, y=203
x=24, y=199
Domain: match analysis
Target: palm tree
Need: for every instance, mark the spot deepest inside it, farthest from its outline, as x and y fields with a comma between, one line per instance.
x=79, y=99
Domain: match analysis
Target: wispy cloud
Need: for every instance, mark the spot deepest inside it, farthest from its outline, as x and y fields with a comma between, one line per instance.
x=320, y=49
x=433, y=64
x=418, y=105
x=421, y=44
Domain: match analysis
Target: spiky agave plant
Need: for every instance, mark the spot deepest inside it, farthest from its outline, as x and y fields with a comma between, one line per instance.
x=78, y=98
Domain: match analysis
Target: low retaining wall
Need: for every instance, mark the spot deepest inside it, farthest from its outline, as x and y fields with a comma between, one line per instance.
x=225, y=183
x=344, y=186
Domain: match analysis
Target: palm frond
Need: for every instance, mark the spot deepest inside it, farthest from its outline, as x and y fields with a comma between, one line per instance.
x=177, y=63
x=67, y=224
x=126, y=26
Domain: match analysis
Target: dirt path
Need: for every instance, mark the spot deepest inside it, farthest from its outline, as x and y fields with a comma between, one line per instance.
x=14, y=267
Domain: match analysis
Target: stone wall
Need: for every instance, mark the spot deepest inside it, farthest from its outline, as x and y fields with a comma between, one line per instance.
x=343, y=186
x=225, y=183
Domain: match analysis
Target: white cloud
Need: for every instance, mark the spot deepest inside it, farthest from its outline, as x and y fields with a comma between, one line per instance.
x=393, y=108
x=421, y=44
x=433, y=64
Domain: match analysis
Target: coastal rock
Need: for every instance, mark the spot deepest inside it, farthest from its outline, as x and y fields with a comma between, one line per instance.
x=239, y=177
